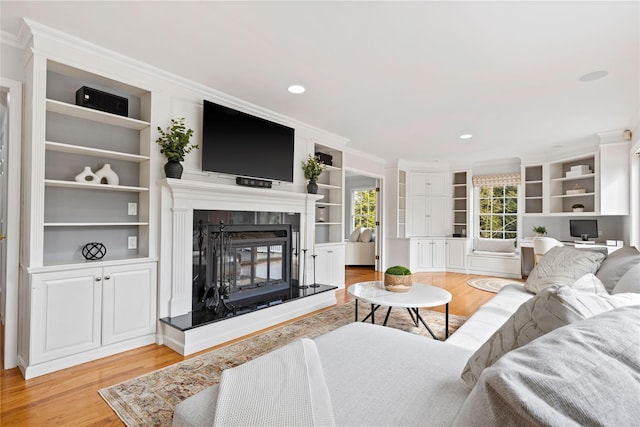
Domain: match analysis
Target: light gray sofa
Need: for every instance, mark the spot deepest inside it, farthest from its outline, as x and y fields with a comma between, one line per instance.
x=520, y=365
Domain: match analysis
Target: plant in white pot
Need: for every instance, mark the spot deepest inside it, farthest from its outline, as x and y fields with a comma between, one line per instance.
x=398, y=279
x=312, y=169
x=540, y=230
x=578, y=207
x=174, y=144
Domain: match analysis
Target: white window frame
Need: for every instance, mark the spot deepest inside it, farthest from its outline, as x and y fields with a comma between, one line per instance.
x=477, y=213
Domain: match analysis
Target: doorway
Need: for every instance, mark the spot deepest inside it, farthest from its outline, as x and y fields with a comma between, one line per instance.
x=10, y=147
x=363, y=211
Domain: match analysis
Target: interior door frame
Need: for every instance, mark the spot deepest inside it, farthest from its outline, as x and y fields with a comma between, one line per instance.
x=9, y=277
x=378, y=232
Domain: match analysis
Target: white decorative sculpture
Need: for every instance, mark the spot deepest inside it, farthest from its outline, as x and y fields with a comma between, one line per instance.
x=87, y=176
x=108, y=175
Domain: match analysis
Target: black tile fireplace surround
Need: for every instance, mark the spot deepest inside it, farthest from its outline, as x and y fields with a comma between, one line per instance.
x=242, y=262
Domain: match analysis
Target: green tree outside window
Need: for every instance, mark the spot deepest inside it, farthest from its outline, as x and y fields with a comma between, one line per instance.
x=499, y=212
x=364, y=208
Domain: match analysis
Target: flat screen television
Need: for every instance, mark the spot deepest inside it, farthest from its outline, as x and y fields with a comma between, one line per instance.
x=583, y=227
x=238, y=143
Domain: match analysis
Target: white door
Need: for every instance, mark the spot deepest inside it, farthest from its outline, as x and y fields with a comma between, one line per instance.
x=437, y=185
x=129, y=302
x=419, y=213
x=65, y=313
x=425, y=254
x=456, y=254
x=437, y=216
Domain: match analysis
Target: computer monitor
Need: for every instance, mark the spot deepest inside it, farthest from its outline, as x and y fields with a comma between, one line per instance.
x=583, y=228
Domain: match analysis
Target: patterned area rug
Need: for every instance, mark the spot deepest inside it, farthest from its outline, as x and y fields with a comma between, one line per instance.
x=149, y=399
x=492, y=284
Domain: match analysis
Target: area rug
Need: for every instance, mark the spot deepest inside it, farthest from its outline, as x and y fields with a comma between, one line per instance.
x=149, y=399
x=492, y=284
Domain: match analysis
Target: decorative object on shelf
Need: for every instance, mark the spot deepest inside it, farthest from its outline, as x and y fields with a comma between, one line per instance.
x=540, y=230
x=174, y=144
x=398, y=279
x=86, y=175
x=93, y=251
x=327, y=159
x=576, y=190
x=578, y=207
x=312, y=169
x=304, y=272
x=321, y=211
x=108, y=175
x=578, y=170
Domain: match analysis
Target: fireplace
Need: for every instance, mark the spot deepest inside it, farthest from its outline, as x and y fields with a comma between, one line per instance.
x=245, y=267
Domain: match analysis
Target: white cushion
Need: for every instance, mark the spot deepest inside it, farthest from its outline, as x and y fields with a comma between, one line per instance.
x=616, y=264
x=552, y=308
x=582, y=374
x=365, y=235
x=562, y=266
x=355, y=235
x=495, y=245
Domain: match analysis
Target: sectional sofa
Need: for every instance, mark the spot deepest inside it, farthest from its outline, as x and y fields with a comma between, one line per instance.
x=564, y=349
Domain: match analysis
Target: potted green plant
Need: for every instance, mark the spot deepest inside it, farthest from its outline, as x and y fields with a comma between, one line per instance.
x=174, y=144
x=398, y=279
x=578, y=207
x=540, y=230
x=312, y=169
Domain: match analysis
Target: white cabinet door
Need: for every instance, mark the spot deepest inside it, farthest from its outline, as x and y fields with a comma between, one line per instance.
x=129, y=302
x=419, y=212
x=614, y=179
x=437, y=217
x=65, y=313
x=329, y=266
x=438, y=254
x=425, y=254
x=456, y=254
x=429, y=184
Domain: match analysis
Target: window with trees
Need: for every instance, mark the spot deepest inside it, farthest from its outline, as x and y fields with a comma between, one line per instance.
x=364, y=208
x=498, y=212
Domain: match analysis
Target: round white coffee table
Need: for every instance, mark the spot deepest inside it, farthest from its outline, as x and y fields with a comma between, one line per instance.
x=420, y=295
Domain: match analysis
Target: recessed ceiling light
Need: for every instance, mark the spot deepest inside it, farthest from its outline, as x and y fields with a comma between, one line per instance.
x=466, y=136
x=296, y=89
x=596, y=75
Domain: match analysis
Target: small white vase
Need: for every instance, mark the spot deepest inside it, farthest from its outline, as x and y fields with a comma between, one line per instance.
x=87, y=176
x=107, y=174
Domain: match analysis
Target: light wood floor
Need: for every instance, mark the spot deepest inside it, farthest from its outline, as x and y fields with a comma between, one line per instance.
x=70, y=396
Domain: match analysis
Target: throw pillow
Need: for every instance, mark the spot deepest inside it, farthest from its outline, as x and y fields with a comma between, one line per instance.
x=552, y=308
x=630, y=282
x=495, y=245
x=616, y=265
x=355, y=235
x=582, y=374
x=562, y=266
x=366, y=235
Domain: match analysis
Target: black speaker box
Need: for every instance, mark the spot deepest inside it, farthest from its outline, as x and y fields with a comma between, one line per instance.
x=103, y=101
x=253, y=182
x=327, y=159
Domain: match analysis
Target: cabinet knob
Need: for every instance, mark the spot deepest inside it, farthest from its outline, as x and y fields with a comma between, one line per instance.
x=107, y=277
x=98, y=279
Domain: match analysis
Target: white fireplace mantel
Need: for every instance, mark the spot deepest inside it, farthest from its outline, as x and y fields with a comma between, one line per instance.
x=184, y=196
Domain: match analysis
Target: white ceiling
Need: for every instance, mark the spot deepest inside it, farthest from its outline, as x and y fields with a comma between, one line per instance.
x=398, y=79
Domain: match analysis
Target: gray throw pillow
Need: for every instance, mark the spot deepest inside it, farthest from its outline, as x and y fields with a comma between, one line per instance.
x=616, y=265
x=584, y=374
x=552, y=308
x=562, y=266
x=630, y=282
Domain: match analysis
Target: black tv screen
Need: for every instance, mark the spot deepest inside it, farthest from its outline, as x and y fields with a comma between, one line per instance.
x=238, y=143
x=583, y=227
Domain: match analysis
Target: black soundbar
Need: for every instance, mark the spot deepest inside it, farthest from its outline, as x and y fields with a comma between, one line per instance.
x=103, y=101
x=253, y=182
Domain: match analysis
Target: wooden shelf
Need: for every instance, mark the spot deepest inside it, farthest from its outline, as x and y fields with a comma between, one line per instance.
x=95, y=115
x=574, y=195
x=96, y=152
x=90, y=186
x=574, y=178
x=94, y=224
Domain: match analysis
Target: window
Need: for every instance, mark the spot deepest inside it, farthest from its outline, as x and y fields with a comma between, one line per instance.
x=364, y=208
x=499, y=212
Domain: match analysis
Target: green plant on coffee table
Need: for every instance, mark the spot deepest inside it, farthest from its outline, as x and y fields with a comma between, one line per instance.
x=174, y=140
x=398, y=270
x=540, y=229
